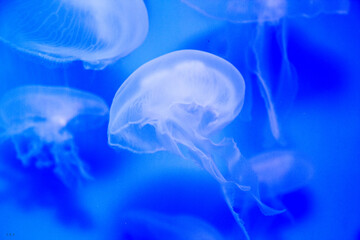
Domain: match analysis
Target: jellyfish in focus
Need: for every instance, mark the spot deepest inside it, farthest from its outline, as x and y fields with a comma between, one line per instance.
x=175, y=103
x=39, y=119
x=157, y=226
x=95, y=32
x=268, y=16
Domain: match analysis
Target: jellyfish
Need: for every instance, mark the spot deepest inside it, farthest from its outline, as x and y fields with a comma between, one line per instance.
x=158, y=226
x=281, y=171
x=39, y=121
x=267, y=17
x=94, y=32
x=175, y=103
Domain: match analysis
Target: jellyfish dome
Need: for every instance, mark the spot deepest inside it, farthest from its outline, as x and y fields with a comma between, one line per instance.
x=95, y=32
x=38, y=120
x=175, y=99
x=265, y=10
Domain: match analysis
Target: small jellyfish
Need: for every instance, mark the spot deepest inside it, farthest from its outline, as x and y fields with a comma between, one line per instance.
x=39, y=119
x=175, y=103
x=95, y=32
x=158, y=226
x=268, y=16
x=280, y=172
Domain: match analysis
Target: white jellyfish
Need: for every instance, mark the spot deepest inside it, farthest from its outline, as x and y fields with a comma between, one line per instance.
x=158, y=226
x=268, y=14
x=95, y=32
x=175, y=103
x=38, y=120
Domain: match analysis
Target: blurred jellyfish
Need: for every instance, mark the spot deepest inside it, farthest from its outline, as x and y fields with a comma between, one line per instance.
x=281, y=171
x=175, y=103
x=269, y=16
x=95, y=32
x=241, y=11
x=38, y=119
x=156, y=226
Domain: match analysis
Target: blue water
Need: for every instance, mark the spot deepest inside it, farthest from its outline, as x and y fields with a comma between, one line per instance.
x=297, y=131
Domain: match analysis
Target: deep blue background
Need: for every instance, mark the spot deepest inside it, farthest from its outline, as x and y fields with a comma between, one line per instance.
x=322, y=124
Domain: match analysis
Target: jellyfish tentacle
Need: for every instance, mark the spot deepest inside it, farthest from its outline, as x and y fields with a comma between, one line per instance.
x=68, y=165
x=288, y=81
x=232, y=171
x=257, y=48
x=28, y=145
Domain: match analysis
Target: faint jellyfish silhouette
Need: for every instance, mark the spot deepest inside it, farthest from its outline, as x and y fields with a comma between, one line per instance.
x=268, y=14
x=157, y=226
x=95, y=32
x=241, y=11
x=39, y=119
x=281, y=171
x=174, y=103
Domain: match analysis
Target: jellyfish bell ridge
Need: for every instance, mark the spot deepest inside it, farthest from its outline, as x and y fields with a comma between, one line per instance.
x=175, y=94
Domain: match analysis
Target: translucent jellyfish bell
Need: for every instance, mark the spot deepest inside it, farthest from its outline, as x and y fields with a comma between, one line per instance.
x=174, y=103
x=268, y=14
x=95, y=32
x=38, y=119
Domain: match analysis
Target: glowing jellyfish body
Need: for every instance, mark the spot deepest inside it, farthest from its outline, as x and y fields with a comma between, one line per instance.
x=266, y=14
x=95, y=32
x=38, y=118
x=156, y=226
x=174, y=103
